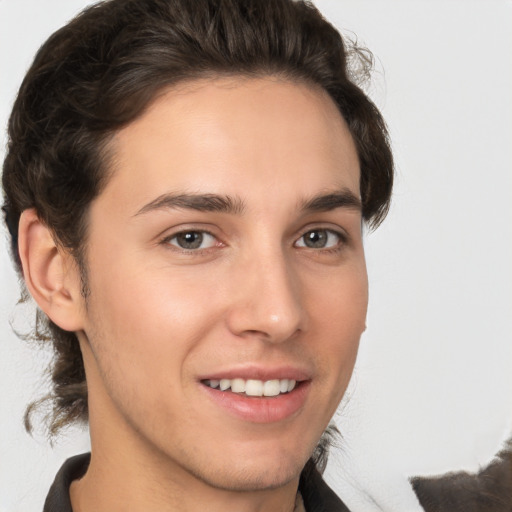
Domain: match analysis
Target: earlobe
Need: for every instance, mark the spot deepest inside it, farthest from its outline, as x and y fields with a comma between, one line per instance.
x=50, y=273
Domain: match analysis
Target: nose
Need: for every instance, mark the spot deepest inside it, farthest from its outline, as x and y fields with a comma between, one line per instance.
x=266, y=299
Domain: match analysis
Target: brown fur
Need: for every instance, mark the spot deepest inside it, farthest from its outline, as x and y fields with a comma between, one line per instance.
x=489, y=490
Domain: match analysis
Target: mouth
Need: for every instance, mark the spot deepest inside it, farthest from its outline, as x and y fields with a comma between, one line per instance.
x=253, y=387
x=258, y=401
x=257, y=393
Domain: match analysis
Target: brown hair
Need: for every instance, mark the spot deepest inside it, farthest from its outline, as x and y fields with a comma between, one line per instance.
x=100, y=71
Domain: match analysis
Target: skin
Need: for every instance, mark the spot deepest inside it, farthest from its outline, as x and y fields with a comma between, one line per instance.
x=160, y=317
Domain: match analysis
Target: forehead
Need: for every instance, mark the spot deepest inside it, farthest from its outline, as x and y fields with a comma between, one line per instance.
x=235, y=136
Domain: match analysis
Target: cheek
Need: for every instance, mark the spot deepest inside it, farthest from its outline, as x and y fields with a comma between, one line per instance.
x=154, y=318
x=340, y=300
x=143, y=332
x=148, y=322
x=338, y=317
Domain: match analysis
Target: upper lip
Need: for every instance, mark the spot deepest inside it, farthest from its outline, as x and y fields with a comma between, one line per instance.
x=260, y=372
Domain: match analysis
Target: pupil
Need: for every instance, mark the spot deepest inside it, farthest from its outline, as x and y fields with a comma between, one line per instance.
x=316, y=239
x=190, y=240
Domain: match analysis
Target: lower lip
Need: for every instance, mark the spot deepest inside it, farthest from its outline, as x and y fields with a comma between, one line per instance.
x=260, y=409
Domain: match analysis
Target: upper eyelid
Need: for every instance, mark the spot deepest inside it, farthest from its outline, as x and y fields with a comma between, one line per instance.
x=337, y=230
x=169, y=233
x=166, y=238
x=190, y=230
x=203, y=231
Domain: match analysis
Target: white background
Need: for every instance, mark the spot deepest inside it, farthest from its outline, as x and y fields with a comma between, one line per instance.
x=432, y=390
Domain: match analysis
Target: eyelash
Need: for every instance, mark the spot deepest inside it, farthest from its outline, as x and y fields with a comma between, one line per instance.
x=342, y=241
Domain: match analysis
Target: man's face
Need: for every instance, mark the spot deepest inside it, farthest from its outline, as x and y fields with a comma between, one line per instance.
x=226, y=247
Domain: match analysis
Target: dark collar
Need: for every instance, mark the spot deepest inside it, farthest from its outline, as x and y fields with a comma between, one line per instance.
x=316, y=494
x=58, y=498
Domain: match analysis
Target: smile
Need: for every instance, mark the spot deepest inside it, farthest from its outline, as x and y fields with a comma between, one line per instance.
x=253, y=387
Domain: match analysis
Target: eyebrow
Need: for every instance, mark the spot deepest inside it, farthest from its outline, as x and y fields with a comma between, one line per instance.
x=235, y=205
x=344, y=198
x=199, y=202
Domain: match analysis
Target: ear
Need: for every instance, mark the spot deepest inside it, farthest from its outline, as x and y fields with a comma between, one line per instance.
x=51, y=274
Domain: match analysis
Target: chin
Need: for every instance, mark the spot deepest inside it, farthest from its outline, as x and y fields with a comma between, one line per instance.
x=252, y=475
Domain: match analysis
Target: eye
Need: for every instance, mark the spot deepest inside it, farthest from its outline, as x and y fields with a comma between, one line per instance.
x=319, y=239
x=191, y=240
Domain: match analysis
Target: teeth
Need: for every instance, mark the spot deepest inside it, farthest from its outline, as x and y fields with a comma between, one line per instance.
x=224, y=384
x=271, y=388
x=252, y=387
x=238, y=386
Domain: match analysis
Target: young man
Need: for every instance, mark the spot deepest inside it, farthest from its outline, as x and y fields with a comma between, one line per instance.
x=185, y=188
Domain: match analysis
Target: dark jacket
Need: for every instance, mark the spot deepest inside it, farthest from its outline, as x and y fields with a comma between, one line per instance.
x=316, y=494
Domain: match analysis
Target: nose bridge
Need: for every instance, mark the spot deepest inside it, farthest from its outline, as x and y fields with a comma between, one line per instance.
x=268, y=300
